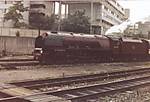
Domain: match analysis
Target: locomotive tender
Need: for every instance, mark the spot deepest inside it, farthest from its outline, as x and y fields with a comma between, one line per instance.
x=54, y=47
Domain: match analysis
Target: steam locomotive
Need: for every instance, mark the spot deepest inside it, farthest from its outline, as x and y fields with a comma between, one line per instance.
x=65, y=47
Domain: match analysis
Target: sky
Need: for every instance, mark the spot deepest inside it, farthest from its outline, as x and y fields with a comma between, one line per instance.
x=139, y=9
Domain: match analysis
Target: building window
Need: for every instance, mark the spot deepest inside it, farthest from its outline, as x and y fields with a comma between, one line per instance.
x=118, y=5
x=5, y=10
x=105, y=8
x=5, y=2
x=112, y=12
x=37, y=6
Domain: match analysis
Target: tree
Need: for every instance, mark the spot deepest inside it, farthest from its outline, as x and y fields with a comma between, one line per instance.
x=51, y=22
x=77, y=22
x=15, y=14
x=40, y=21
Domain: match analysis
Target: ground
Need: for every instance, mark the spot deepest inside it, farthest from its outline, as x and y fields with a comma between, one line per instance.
x=53, y=71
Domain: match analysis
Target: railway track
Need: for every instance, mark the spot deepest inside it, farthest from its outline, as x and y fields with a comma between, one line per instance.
x=74, y=80
x=9, y=98
x=94, y=91
x=19, y=63
x=10, y=64
x=14, y=60
x=82, y=94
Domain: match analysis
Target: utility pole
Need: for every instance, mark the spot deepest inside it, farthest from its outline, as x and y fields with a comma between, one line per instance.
x=91, y=17
x=134, y=29
x=54, y=7
x=65, y=10
x=59, y=15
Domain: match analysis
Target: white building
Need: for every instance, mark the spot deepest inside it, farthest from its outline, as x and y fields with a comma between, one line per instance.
x=42, y=7
x=144, y=29
x=139, y=29
x=102, y=13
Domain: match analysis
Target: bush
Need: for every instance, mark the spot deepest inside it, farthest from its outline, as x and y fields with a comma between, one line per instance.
x=78, y=23
x=17, y=34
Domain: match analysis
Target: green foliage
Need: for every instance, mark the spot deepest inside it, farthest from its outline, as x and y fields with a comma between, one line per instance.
x=15, y=13
x=40, y=21
x=36, y=20
x=51, y=22
x=77, y=22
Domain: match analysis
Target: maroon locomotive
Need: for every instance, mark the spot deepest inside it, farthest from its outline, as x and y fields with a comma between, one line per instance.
x=54, y=47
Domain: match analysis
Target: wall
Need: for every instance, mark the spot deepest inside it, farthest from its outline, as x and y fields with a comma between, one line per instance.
x=17, y=45
x=23, y=32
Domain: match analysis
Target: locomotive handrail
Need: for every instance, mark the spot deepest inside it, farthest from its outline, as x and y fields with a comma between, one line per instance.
x=54, y=32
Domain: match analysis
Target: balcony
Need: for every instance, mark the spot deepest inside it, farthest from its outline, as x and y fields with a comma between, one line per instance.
x=118, y=7
x=37, y=2
x=35, y=10
x=110, y=18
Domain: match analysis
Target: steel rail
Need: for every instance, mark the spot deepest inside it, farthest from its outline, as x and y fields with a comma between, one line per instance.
x=36, y=84
x=26, y=63
x=93, y=91
x=13, y=60
x=6, y=96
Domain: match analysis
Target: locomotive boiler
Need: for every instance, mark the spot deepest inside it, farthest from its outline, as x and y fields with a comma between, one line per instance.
x=69, y=47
